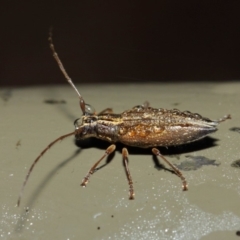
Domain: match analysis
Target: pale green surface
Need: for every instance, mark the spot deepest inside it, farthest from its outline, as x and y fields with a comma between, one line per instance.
x=61, y=209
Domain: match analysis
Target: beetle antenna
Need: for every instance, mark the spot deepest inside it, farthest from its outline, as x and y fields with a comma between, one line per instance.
x=59, y=62
x=35, y=162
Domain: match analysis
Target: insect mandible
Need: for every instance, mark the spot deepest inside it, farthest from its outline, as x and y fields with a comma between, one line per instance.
x=142, y=126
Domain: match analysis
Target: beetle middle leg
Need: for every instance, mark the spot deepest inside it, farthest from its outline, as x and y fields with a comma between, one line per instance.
x=129, y=177
x=108, y=151
x=175, y=169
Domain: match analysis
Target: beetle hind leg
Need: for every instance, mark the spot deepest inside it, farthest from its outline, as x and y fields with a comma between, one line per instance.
x=175, y=169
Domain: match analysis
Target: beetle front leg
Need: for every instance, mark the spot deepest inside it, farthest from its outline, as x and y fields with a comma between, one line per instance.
x=109, y=150
x=106, y=110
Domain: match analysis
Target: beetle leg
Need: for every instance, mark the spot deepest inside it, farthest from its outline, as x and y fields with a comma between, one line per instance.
x=175, y=169
x=106, y=110
x=108, y=151
x=129, y=177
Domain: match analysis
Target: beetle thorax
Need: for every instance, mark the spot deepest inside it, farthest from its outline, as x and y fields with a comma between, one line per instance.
x=96, y=126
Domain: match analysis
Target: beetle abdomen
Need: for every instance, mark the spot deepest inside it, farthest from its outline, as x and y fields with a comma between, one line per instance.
x=160, y=127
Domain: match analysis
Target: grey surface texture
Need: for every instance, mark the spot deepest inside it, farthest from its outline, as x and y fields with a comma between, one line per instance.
x=54, y=206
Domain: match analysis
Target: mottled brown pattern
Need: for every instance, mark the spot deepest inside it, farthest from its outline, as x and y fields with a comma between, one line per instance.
x=148, y=127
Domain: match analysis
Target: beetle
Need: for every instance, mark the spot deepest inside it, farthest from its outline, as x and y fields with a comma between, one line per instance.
x=142, y=126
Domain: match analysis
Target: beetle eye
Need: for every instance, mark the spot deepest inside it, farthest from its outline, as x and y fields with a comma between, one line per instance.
x=89, y=110
x=77, y=123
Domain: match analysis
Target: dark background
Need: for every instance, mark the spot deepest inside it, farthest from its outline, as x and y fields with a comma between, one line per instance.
x=118, y=41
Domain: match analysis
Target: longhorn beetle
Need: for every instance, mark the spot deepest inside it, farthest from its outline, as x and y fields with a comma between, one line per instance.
x=142, y=126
